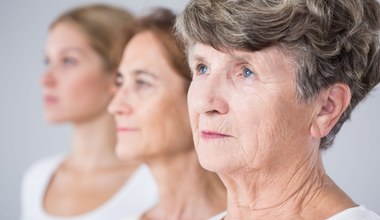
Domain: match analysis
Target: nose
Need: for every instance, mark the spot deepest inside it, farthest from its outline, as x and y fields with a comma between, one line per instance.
x=206, y=96
x=119, y=104
x=48, y=79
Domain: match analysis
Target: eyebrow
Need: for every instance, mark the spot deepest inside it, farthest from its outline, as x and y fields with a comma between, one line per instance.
x=197, y=58
x=69, y=49
x=240, y=58
x=73, y=49
x=143, y=72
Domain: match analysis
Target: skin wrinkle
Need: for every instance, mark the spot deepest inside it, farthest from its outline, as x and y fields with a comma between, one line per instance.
x=275, y=170
x=260, y=156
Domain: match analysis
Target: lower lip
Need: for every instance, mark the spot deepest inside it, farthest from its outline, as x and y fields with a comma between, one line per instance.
x=213, y=136
x=127, y=129
x=50, y=100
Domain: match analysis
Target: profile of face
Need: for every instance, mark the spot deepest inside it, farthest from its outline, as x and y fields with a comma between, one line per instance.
x=150, y=106
x=243, y=109
x=76, y=86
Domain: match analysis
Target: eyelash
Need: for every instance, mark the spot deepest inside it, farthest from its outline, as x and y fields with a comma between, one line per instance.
x=142, y=83
x=198, y=69
x=69, y=61
x=243, y=74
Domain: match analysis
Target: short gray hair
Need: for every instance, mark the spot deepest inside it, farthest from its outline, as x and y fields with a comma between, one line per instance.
x=330, y=41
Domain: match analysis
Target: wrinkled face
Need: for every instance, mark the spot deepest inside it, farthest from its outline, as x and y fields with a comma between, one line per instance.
x=243, y=109
x=150, y=106
x=75, y=85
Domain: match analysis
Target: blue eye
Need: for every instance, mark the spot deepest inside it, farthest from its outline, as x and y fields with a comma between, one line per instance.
x=247, y=73
x=202, y=69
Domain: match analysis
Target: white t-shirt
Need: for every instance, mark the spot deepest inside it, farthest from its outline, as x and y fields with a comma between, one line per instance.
x=138, y=194
x=356, y=213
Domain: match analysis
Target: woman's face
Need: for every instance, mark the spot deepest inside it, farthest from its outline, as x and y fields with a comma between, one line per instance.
x=76, y=87
x=243, y=109
x=150, y=106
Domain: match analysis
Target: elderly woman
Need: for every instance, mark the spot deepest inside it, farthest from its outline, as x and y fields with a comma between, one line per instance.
x=273, y=82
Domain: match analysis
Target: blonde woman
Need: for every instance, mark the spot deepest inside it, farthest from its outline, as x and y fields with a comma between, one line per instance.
x=83, y=50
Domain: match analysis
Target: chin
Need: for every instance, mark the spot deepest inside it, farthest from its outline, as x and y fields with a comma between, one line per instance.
x=126, y=152
x=213, y=161
x=53, y=119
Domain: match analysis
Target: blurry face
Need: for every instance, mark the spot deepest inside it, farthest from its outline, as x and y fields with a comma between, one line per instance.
x=150, y=106
x=75, y=85
x=243, y=109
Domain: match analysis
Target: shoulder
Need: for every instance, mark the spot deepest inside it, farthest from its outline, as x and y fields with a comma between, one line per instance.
x=141, y=187
x=42, y=167
x=356, y=213
x=133, y=217
x=218, y=216
x=34, y=181
x=142, y=178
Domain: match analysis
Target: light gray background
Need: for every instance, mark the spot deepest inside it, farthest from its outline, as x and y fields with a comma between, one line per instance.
x=353, y=162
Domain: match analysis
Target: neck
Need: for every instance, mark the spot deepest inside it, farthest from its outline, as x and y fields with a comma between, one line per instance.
x=94, y=143
x=186, y=190
x=298, y=190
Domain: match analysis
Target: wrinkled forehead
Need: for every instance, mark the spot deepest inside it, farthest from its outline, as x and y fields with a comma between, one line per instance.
x=197, y=49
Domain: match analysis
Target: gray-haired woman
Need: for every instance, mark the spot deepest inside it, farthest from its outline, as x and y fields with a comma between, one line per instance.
x=273, y=82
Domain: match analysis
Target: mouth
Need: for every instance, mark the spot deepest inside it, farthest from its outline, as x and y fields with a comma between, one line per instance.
x=126, y=129
x=50, y=99
x=210, y=135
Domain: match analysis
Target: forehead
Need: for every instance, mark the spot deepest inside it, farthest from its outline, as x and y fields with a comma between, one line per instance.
x=65, y=34
x=144, y=44
x=145, y=52
x=207, y=52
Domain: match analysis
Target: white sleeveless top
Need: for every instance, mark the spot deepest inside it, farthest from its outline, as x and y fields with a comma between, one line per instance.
x=356, y=213
x=138, y=194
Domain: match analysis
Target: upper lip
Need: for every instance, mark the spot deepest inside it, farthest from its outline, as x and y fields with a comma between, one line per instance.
x=214, y=133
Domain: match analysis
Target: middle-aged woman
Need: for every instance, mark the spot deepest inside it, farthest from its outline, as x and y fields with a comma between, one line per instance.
x=83, y=51
x=273, y=82
x=151, y=114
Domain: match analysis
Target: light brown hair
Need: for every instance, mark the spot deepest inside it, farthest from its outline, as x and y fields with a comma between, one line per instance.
x=161, y=22
x=107, y=28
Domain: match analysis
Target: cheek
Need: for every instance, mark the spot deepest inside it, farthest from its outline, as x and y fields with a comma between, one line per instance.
x=260, y=122
x=191, y=102
x=168, y=124
x=89, y=89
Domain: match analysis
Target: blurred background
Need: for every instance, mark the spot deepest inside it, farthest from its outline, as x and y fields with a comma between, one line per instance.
x=353, y=161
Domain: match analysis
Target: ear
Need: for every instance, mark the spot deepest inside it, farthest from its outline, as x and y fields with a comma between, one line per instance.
x=331, y=104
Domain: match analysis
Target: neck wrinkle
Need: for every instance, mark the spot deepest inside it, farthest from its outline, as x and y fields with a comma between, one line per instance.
x=277, y=194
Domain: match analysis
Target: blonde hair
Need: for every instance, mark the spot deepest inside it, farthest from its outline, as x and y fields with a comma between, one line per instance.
x=107, y=28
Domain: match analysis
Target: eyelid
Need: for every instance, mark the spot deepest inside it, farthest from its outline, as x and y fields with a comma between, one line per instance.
x=198, y=66
x=119, y=79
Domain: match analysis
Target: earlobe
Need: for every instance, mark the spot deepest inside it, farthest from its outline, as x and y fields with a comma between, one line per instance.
x=331, y=105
